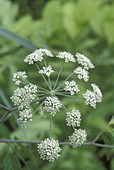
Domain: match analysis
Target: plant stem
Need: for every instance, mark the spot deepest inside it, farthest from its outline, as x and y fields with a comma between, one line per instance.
x=58, y=75
x=61, y=143
x=64, y=81
x=61, y=94
x=15, y=108
x=99, y=134
x=50, y=126
x=43, y=77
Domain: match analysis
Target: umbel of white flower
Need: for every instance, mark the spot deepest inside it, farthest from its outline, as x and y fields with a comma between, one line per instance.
x=73, y=118
x=49, y=149
x=37, y=55
x=78, y=138
x=72, y=87
x=22, y=98
x=82, y=73
x=46, y=70
x=92, y=97
x=67, y=56
x=18, y=76
x=84, y=61
x=52, y=104
x=49, y=96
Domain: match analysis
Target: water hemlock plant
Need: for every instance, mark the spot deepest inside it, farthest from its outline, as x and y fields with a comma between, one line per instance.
x=49, y=97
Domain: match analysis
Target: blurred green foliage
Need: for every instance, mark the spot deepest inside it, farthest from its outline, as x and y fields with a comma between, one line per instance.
x=84, y=26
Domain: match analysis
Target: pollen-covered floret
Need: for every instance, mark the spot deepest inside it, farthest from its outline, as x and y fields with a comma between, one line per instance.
x=78, y=138
x=22, y=98
x=97, y=93
x=49, y=149
x=73, y=118
x=90, y=98
x=72, y=87
x=84, y=61
x=18, y=76
x=52, y=105
x=46, y=70
x=37, y=55
x=67, y=56
x=81, y=73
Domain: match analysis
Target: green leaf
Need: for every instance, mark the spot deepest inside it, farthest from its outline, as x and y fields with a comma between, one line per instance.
x=11, y=162
x=111, y=121
x=85, y=10
x=7, y=18
x=52, y=17
x=4, y=99
x=69, y=20
x=109, y=31
x=19, y=40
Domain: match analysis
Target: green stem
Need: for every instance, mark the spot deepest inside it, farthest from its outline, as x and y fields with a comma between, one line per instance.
x=15, y=108
x=61, y=143
x=58, y=75
x=4, y=117
x=61, y=94
x=64, y=81
x=99, y=134
x=43, y=76
x=50, y=82
x=50, y=126
x=38, y=107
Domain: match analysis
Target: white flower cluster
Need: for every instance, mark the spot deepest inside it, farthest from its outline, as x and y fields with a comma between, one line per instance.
x=22, y=98
x=78, y=138
x=49, y=149
x=82, y=73
x=93, y=97
x=84, y=61
x=52, y=105
x=67, y=56
x=46, y=70
x=73, y=118
x=18, y=76
x=72, y=87
x=97, y=93
x=37, y=55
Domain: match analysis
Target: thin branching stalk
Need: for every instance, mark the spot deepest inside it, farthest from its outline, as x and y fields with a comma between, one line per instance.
x=50, y=131
x=58, y=76
x=60, y=85
x=43, y=76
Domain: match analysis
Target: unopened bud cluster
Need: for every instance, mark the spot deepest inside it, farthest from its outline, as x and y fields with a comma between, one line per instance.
x=49, y=149
x=52, y=104
x=78, y=138
x=73, y=118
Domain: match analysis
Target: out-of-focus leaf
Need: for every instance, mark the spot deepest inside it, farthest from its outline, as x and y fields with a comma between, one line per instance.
x=52, y=17
x=111, y=121
x=112, y=164
x=70, y=23
x=84, y=10
x=42, y=126
x=11, y=162
x=109, y=30
x=4, y=99
x=7, y=18
x=19, y=40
